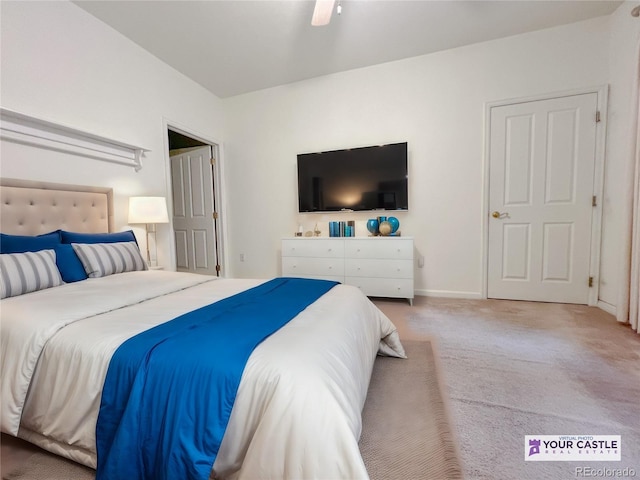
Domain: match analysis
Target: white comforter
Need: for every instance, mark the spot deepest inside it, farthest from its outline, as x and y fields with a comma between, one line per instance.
x=298, y=409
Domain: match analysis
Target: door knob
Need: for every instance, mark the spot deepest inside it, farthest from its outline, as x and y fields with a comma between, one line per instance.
x=497, y=214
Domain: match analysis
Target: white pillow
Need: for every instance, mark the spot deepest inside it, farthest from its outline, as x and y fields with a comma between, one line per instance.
x=28, y=272
x=102, y=259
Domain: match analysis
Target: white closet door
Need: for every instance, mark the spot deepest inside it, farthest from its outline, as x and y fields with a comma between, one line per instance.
x=542, y=160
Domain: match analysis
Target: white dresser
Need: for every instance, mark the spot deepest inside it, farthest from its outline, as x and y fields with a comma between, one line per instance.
x=379, y=266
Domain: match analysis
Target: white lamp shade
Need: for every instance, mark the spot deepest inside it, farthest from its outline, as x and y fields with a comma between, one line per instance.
x=148, y=210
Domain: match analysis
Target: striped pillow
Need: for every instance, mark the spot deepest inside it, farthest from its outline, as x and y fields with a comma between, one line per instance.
x=102, y=259
x=28, y=272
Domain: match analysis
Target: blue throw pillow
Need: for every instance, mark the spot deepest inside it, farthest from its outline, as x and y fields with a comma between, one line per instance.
x=75, y=237
x=25, y=243
x=69, y=264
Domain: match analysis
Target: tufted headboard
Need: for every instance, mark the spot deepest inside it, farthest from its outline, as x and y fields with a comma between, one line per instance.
x=33, y=208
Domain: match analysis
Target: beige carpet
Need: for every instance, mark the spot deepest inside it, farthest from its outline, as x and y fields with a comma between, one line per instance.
x=513, y=368
x=406, y=431
x=45, y=466
x=406, y=434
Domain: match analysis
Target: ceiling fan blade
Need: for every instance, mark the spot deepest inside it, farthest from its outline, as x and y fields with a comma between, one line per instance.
x=322, y=12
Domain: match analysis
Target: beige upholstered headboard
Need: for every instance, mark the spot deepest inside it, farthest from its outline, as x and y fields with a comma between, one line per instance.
x=33, y=208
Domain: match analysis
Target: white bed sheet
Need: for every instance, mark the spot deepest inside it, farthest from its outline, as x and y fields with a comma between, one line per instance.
x=298, y=409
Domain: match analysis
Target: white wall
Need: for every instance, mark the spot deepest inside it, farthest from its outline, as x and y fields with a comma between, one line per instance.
x=436, y=103
x=623, y=55
x=61, y=64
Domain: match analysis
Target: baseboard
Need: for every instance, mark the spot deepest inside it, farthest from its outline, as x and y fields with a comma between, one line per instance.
x=449, y=294
x=607, y=307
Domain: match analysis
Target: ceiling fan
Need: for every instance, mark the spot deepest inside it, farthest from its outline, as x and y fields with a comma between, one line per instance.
x=322, y=12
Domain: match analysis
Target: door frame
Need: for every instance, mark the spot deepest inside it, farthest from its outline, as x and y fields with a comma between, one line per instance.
x=602, y=92
x=219, y=188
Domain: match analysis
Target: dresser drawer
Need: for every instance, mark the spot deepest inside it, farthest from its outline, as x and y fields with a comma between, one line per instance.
x=333, y=278
x=385, y=268
x=312, y=266
x=323, y=248
x=383, y=287
x=380, y=248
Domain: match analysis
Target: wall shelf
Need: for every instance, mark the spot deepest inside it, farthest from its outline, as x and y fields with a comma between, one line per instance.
x=20, y=128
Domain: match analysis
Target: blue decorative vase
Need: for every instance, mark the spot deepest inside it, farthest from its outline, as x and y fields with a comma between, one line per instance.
x=372, y=226
x=395, y=224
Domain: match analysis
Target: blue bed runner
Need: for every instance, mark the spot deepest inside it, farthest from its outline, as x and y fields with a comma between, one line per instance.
x=169, y=391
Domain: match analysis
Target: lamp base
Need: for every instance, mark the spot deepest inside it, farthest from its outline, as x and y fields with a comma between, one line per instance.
x=152, y=260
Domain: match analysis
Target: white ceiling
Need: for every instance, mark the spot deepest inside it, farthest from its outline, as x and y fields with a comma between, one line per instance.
x=234, y=47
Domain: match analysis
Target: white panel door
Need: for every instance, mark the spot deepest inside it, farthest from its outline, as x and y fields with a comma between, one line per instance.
x=541, y=174
x=193, y=209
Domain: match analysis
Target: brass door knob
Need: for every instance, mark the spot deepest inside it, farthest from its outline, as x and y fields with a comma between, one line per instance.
x=496, y=214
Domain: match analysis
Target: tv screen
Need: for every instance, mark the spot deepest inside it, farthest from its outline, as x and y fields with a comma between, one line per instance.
x=366, y=178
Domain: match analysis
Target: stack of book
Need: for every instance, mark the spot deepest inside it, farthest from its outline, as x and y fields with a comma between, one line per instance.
x=342, y=229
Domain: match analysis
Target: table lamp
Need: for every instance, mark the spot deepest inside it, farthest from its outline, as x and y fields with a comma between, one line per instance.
x=150, y=211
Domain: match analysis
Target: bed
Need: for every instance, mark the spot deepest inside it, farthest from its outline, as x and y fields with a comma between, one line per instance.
x=297, y=413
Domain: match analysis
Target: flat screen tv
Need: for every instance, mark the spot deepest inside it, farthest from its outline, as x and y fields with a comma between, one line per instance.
x=366, y=178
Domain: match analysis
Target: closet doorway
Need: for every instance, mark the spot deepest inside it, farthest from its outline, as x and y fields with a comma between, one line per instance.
x=195, y=198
